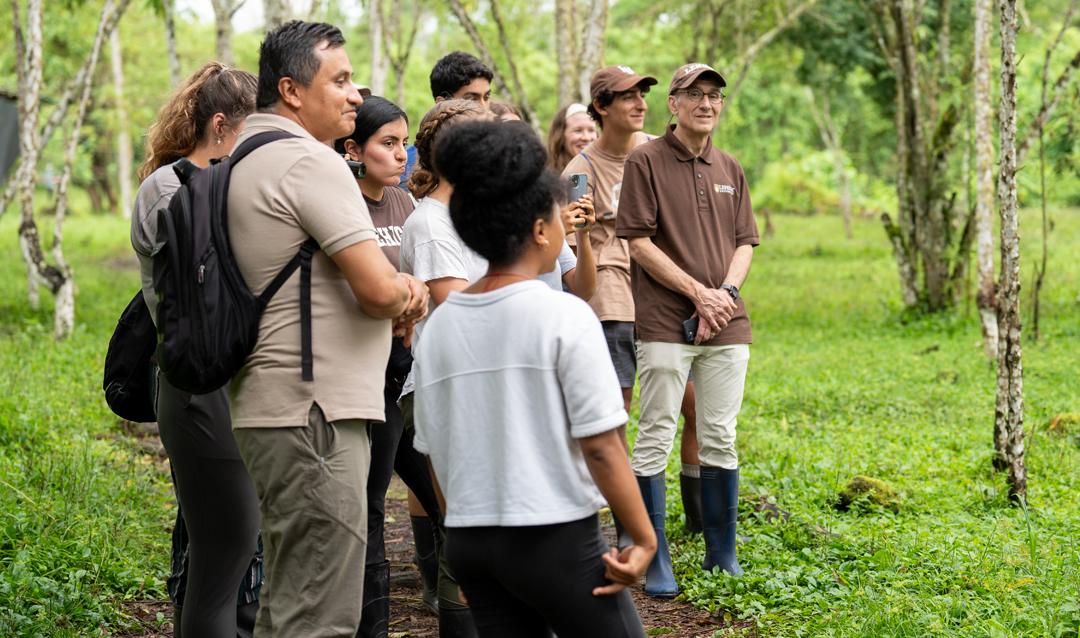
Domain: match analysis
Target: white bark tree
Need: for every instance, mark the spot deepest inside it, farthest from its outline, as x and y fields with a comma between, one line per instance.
x=397, y=43
x=514, y=90
x=591, y=46
x=984, y=180
x=56, y=276
x=224, y=10
x=830, y=137
x=1009, y=412
x=124, y=158
x=169, y=10
x=377, y=79
x=276, y=12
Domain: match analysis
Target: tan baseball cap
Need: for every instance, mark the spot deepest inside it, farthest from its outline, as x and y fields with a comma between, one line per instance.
x=617, y=78
x=689, y=73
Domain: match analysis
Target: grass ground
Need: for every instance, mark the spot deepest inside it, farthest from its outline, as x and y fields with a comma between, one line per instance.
x=840, y=384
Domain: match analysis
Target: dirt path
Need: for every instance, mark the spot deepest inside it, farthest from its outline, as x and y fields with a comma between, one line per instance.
x=410, y=619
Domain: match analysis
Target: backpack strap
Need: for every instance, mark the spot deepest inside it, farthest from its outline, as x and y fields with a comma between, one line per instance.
x=301, y=260
x=254, y=142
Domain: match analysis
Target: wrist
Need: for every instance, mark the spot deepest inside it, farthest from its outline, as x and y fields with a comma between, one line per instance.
x=732, y=290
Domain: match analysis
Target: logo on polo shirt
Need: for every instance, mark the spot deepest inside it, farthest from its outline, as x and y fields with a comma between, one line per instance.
x=724, y=188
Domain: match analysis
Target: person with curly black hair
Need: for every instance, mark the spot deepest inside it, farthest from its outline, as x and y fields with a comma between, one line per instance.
x=461, y=76
x=525, y=469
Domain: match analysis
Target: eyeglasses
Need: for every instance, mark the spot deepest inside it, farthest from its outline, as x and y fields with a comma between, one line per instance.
x=695, y=95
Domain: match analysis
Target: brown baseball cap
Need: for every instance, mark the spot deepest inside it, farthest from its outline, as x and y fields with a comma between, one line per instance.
x=617, y=78
x=689, y=73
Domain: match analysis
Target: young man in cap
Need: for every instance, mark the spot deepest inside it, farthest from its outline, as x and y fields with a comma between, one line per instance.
x=685, y=210
x=301, y=416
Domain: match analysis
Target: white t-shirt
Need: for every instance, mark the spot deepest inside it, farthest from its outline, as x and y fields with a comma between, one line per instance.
x=567, y=262
x=505, y=382
x=432, y=249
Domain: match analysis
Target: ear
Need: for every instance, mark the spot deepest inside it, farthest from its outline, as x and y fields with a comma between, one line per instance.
x=539, y=236
x=289, y=91
x=600, y=110
x=352, y=151
x=218, y=123
x=439, y=98
x=673, y=104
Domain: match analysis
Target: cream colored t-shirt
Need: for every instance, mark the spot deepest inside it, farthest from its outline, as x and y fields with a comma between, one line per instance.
x=612, y=300
x=280, y=195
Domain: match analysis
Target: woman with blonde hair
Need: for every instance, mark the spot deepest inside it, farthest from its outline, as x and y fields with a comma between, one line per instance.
x=572, y=129
x=217, y=527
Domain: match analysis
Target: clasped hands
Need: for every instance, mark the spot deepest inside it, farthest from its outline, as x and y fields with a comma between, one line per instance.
x=715, y=308
x=415, y=309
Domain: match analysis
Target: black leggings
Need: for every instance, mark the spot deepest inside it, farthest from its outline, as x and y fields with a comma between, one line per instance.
x=525, y=582
x=220, y=508
x=392, y=451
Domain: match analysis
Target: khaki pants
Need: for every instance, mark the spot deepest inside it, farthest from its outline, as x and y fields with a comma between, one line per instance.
x=310, y=482
x=719, y=379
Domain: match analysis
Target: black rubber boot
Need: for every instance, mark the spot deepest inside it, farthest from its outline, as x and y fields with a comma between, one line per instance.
x=456, y=622
x=720, y=509
x=427, y=560
x=659, y=577
x=177, y=615
x=375, y=614
x=690, y=487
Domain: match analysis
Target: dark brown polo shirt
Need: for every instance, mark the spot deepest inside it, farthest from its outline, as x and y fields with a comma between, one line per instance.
x=389, y=217
x=697, y=211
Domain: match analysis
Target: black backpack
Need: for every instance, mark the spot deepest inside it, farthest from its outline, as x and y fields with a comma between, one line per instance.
x=207, y=318
x=129, y=366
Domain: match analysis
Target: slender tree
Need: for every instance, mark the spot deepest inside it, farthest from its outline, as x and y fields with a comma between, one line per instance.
x=830, y=137
x=56, y=276
x=168, y=8
x=376, y=21
x=1009, y=414
x=124, y=158
x=224, y=10
x=984, y=180
x=398, y=44
x=276, y=12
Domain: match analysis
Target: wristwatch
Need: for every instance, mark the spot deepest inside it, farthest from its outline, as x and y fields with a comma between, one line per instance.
x=732, y=290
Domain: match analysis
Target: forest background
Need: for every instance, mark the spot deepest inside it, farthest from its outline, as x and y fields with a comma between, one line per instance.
x=851, y=376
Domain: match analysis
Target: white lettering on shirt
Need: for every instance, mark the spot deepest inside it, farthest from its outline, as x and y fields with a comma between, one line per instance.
x=724, y=188
x=388, y=235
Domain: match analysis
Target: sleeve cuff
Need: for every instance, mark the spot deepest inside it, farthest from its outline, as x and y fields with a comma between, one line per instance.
x=598, y=426
x=341, y=243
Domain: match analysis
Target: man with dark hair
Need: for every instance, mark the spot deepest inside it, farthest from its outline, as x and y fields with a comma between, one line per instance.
x=304, y=436
x=459, y=75
x=686, y=213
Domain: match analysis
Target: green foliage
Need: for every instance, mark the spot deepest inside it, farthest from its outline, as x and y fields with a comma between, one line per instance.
x=838, y=386
x=807, y=184
x=84, y=519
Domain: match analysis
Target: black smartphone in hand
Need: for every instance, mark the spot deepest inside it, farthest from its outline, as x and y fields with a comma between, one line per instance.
x=690, y=328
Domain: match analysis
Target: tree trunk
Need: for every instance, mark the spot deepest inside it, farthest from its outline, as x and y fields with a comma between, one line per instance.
x=124, y=158
x=275, y=12
x=566, y=51
x=223, y=31
x=984, y=180
x=57, y=277
x=830, y=137
x=169, y=7
x=393, y=36
x=592, y=46
x=1009, y=415
x=377, y=79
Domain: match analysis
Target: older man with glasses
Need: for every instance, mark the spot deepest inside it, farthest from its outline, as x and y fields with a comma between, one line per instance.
x=685, y=210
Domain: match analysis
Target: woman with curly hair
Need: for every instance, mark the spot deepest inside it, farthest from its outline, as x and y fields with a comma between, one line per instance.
x=518, y=406
x=432, y=251
x=217, y=527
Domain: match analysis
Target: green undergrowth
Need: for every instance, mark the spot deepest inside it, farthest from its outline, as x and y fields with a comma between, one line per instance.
x=842, y=383
x=84, y=517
